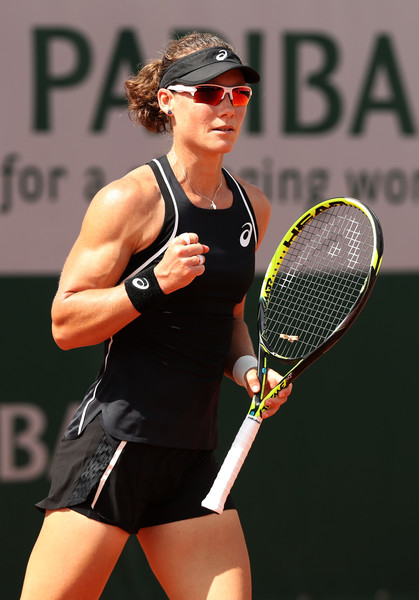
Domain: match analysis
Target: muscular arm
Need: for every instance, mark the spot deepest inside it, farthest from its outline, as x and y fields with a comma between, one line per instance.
x=124, y=218
x=88, y=307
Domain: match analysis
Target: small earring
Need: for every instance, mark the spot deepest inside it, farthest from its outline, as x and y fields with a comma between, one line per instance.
x=169, y=112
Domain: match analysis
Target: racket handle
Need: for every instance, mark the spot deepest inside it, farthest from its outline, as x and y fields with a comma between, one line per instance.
x=232, y=464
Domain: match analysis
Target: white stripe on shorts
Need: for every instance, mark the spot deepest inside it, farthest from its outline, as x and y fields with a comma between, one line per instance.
x=107, y=472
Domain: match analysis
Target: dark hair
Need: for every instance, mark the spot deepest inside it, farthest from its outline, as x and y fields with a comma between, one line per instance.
x=141, y=89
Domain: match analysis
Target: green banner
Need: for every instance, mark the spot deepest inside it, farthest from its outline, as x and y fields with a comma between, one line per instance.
x=328, y=496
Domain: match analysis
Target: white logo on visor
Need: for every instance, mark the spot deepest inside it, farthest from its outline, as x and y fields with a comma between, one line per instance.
x=222, y=55
x=141, y=283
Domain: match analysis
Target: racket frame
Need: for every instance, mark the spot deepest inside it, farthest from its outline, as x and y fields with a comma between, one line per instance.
x=299, y=365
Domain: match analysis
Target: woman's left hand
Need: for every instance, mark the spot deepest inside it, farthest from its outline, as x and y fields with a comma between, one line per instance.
x=272, y=380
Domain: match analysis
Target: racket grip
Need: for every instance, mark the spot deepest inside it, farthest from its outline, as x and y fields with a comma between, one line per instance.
x=216, y=497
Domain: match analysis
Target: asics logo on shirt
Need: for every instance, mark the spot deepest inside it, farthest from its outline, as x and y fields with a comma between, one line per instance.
x=222, y=55
x=246, y=234
x=141, y=283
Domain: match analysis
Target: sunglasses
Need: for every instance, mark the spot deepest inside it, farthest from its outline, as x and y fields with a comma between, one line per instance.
x=214, y=94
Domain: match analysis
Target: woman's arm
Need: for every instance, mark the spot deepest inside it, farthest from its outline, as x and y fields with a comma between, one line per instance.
x=241, y=344
x=123, y=218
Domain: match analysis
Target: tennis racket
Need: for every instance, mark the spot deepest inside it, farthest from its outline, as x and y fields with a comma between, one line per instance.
x=315, y=286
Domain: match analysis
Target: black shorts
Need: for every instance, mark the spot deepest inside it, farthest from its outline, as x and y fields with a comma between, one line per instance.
x=129, y=484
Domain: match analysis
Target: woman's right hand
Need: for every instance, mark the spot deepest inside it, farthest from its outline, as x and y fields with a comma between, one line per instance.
x=183, y=261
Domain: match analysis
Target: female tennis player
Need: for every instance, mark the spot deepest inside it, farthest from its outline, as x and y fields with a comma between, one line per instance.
x=159, y=274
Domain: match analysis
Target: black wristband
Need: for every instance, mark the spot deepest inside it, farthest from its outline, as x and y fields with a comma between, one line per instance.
x=144, y=291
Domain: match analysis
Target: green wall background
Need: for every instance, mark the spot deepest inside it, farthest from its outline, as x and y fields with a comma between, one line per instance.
x=329, y=495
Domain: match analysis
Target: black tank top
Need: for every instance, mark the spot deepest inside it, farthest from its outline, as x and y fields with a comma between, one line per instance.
x=161, y=374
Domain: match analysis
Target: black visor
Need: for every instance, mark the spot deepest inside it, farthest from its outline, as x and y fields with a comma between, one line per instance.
x=204, y=65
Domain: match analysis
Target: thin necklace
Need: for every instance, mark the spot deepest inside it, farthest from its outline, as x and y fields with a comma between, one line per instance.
x=212, y=202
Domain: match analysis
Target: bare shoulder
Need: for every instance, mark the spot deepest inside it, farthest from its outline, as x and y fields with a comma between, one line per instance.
x=134, y=192
x=127, y=207
x=260, y=205
x=123, y=218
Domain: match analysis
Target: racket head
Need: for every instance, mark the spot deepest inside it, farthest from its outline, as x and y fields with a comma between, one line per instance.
x=318, y=281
